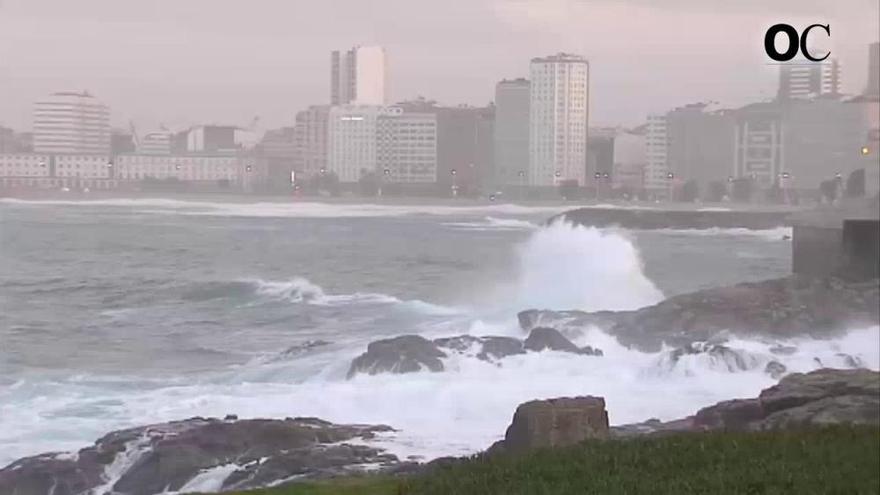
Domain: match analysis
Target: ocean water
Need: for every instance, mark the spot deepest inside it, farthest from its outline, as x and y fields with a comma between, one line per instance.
x=119, y=313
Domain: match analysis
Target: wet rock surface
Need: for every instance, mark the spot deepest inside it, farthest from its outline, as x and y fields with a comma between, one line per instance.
x=821, y=397
x=403, y=354
x=413, y=353
x=555, y=423
x=794, y=306
x=165, y=457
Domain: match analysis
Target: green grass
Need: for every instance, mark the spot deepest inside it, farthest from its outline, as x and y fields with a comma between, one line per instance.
x=839, y=460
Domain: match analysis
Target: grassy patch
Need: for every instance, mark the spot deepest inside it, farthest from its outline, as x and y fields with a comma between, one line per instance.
x=837, y=460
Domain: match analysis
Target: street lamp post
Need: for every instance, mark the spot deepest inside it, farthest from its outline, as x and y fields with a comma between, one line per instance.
x=454, y=183
x=385, y=174
x=670, y=177
x=522, y=185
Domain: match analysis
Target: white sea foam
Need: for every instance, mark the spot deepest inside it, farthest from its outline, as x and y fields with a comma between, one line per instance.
x=774, y=234
x=301, y=290
x=293, y=209
x=565, y=266
x=459, y=411
x=492, y=223
x=208, y=480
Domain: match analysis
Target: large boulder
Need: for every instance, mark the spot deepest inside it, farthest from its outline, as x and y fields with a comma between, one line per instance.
x=793, y=306
x=802, y=399
x=821, y=397
x=404, y=354
x=169, y=456
x=555, y=423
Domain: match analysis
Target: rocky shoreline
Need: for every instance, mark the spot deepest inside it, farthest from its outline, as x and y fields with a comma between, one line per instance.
x=207, y=454
x=210, y=454
x=201, y=454
x=793, y=306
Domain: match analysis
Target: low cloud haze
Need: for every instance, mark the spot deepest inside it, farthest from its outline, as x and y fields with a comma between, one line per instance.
x=183, y=61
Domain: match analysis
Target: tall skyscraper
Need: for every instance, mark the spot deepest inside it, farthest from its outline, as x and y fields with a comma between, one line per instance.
x=559, y=115
x=804, y=80
x=656, y=148
x=70, y=122
x=873, y=88
x=351, y=133
x=512, y=100
x=359, y=76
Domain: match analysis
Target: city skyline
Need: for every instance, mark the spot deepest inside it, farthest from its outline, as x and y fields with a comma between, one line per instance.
x=232, y=78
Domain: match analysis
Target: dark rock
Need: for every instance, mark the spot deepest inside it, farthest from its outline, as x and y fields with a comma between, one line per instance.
x=652, y=427
x=775, y=369
x=590, y=351
x=555, y=423
x=491, y=347
x=820, y=397
x=157, y=458
x=729, y=415
x=851, y=361
x=230, y=417
x=543, y=338
x=499, y=347
x=404, y=354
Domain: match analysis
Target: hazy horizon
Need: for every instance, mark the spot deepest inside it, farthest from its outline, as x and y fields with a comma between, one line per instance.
x=181, y=63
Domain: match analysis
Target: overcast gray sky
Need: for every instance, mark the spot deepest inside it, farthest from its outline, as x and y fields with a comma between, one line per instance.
x=180, y=62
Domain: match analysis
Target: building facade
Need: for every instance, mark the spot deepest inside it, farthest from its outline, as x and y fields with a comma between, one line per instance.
x=312, y=141
x=359, y=76
x=280, y=151
x=69, y=122
x=700, y=141
x=184, y=168
x=511, y=138
x=630, y=161
x=406, y=146
x=48, y=171
x=758, y=145
x=806, y=80
x=559, y=116
x=352, y=141
x=155, y=143
x=656, y=179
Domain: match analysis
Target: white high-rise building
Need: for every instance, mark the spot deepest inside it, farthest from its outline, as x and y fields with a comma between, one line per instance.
x=359, y=76
x=559, y=115
x=351, y=136
x=70, y=122
x=656, y=148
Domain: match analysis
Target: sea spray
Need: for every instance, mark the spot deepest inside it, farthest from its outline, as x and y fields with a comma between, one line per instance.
x=565, y=266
